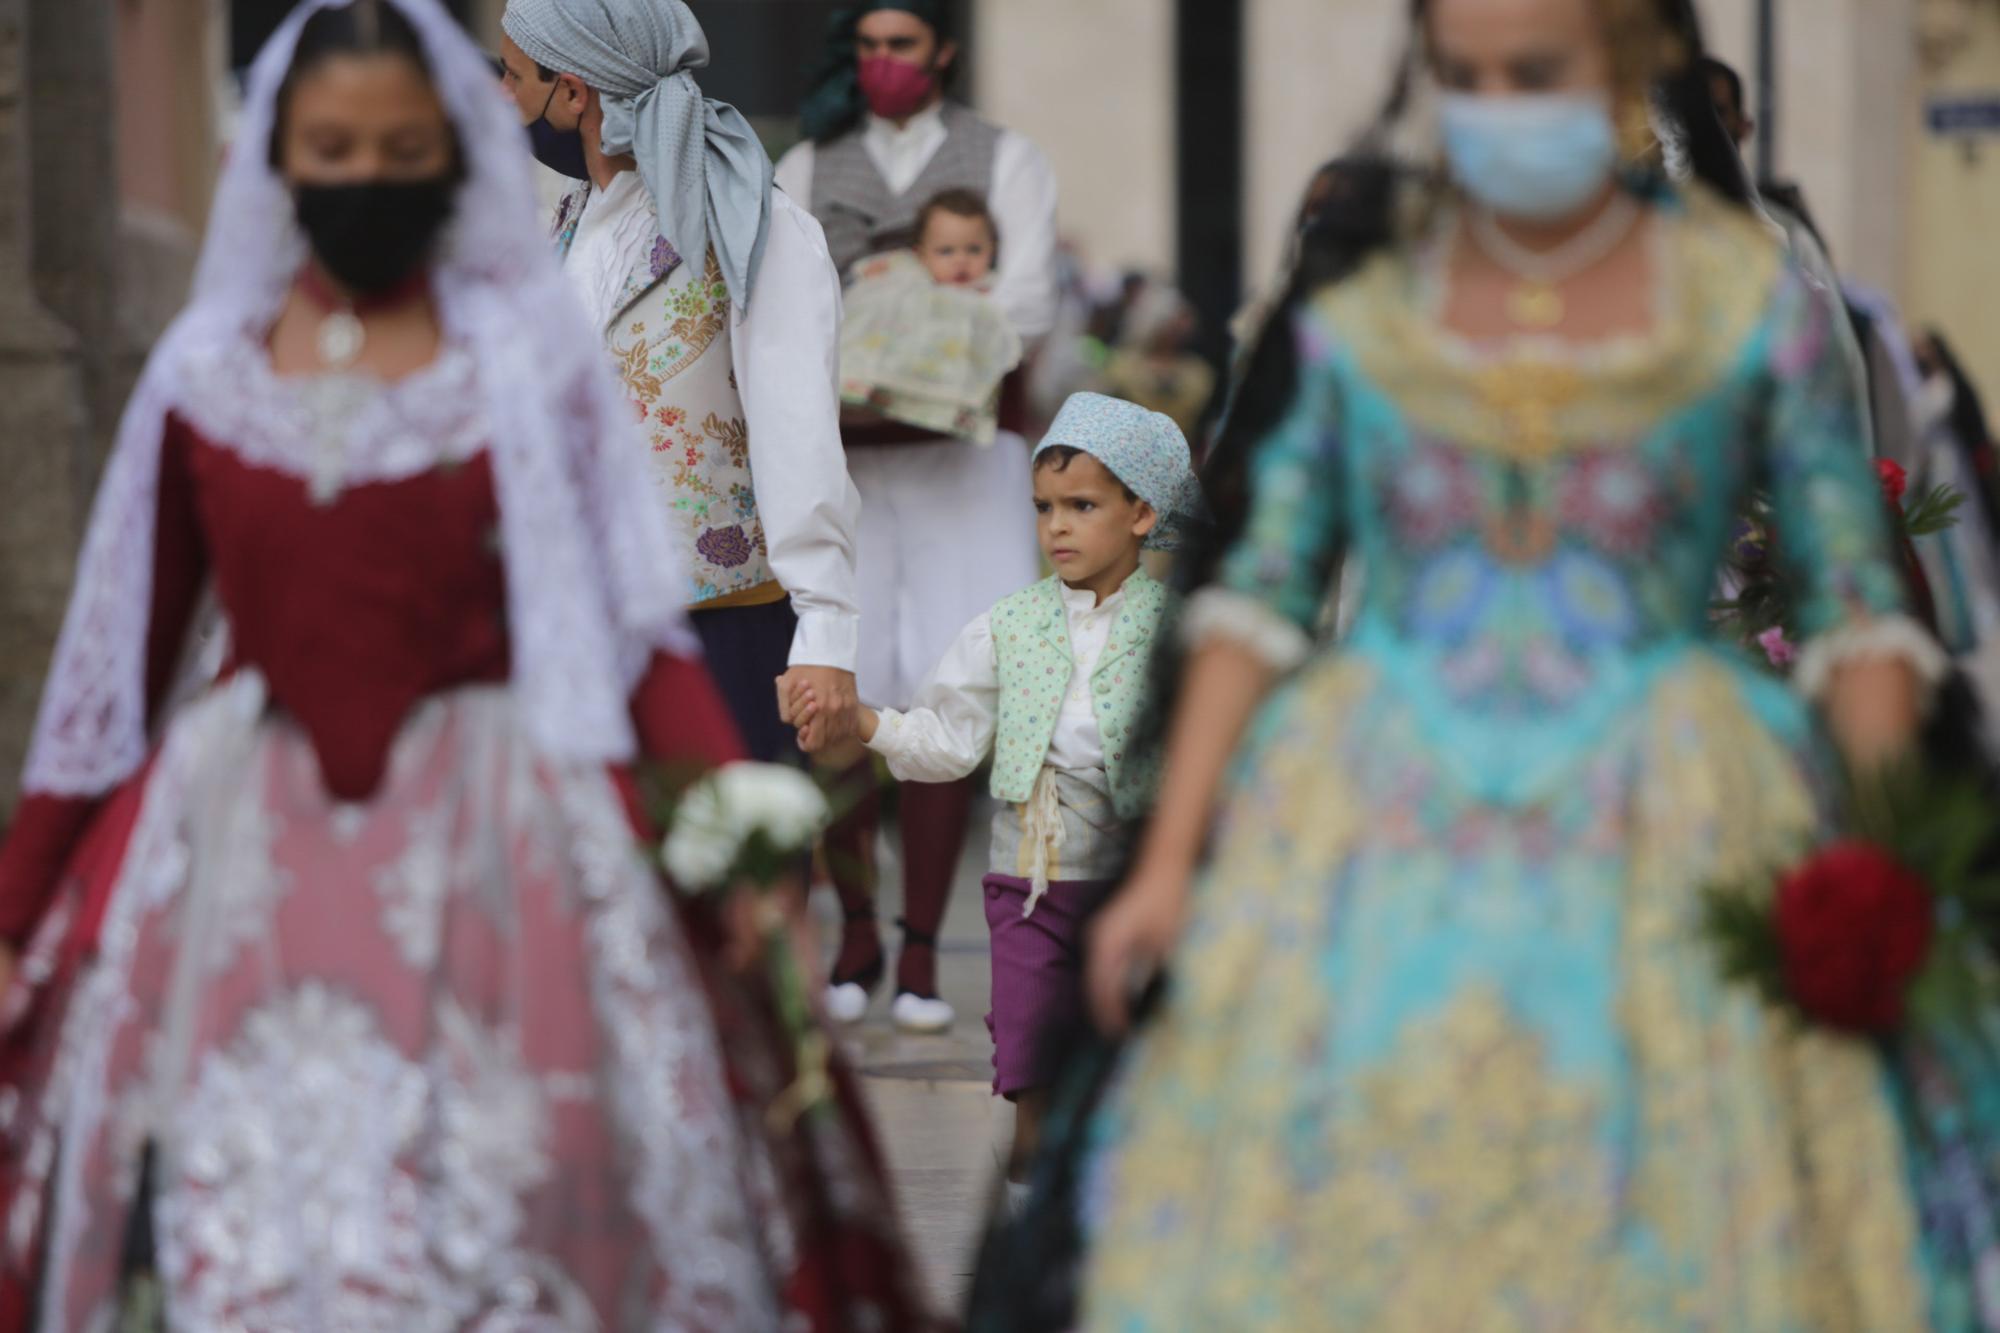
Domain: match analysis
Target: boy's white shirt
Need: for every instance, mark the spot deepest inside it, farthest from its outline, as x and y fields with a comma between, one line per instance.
x=1068, y=828
x=948, y=732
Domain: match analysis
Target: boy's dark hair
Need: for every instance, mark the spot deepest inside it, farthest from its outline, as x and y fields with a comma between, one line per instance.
x=960, y=204
x=1059, y=456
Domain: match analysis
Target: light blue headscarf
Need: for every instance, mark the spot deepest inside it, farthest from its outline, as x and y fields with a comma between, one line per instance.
x=1145, y=450
x=708, y=173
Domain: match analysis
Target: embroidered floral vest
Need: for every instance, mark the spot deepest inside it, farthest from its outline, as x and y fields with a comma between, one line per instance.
x=670, y=344
x=1032, y=651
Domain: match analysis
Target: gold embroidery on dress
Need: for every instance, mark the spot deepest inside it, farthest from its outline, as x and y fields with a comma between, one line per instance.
x=1793, y=1125
x=1531, y=396
x=1255, y=939
x=1539, y=397
x=1462, y=1182
x=1479, y=1195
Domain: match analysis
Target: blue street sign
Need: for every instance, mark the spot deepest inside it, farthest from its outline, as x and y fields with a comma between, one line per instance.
x=1964, y=115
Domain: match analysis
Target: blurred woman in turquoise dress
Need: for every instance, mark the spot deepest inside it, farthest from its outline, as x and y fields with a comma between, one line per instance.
x=1444, y=1049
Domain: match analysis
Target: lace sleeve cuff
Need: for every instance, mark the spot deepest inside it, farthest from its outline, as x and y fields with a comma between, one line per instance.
x=1219, y=613
x=1880, y=637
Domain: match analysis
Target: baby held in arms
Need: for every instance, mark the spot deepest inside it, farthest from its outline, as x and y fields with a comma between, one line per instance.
x=922, y=342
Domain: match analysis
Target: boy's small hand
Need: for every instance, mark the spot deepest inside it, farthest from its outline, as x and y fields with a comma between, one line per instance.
x=806, y=719
x=798, y=708
x=830, y=691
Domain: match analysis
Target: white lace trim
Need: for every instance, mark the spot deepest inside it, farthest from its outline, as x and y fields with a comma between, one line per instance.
x=309, y=1105
x=593, y=579
x=1897, y=637
x=1220, y=613
x=670, y=1077
x=337, y=430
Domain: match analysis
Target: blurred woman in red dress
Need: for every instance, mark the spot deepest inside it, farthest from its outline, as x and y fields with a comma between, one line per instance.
x=348, y=976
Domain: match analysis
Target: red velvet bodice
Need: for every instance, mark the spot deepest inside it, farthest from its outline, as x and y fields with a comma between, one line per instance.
x=354, y=610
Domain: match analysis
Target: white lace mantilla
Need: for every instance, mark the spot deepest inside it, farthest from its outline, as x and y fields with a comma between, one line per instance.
x=594, y=581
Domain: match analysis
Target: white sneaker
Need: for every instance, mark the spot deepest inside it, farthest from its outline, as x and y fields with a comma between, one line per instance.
x=913, y=1013
x=846, y=1004
x=1017, y=1199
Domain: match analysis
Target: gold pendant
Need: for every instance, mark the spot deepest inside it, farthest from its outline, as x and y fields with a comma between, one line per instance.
x=1535, y=305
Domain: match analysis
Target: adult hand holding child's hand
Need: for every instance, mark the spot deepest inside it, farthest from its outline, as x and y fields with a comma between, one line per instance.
x=831, y=697
x=802, y=707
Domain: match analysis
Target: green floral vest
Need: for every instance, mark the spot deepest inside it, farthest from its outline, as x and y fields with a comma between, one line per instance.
x=1032, y=651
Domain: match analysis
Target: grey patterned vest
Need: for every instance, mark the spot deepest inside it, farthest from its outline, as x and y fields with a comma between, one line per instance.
x=862, y=215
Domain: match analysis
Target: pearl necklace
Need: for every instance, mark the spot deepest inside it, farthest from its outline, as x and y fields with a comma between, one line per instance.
x=1536, y=302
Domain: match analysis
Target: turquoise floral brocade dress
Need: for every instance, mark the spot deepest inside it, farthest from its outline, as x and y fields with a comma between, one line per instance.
x=1444, y=1052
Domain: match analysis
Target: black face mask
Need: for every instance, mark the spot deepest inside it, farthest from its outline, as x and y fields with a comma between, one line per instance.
x=371, y=236
x=561, y=151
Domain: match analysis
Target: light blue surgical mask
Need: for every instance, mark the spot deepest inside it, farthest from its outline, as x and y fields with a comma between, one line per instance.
x=1540, y=157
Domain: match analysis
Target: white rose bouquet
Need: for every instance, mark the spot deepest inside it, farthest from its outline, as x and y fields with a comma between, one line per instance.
x=750, y=827
x=744, y=823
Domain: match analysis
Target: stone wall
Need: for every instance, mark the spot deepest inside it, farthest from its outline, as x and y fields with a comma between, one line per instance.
x=1846, y=75
x=1318, y=73
x=69, y=347
x=1093, y=84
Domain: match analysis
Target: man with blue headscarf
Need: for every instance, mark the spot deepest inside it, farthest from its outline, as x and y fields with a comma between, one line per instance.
x=721, y=309
x=947, y=527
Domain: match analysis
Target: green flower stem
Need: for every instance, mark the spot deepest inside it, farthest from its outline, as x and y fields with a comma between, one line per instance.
x=812, y=1084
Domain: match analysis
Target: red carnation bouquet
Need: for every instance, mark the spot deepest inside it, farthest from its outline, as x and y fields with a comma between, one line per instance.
x=1878, y=930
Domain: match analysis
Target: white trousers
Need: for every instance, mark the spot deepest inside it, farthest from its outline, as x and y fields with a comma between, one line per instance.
x=947, y=530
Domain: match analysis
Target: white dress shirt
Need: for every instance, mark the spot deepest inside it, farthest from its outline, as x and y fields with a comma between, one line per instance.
x=948, y=732
x=1022, y=197
x=785, y=350
x=1069, y=827
x=619, y=223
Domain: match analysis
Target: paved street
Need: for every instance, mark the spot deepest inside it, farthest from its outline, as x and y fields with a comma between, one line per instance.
x=944, y=1132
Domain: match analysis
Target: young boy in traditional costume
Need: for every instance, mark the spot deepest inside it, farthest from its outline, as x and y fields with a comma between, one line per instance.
x=937, y=540
x=1051, y=685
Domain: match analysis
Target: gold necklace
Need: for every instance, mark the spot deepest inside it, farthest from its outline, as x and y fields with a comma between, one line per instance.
x=1536, y=301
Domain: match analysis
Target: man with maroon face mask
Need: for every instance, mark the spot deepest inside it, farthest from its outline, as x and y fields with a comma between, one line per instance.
x=947, y=527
